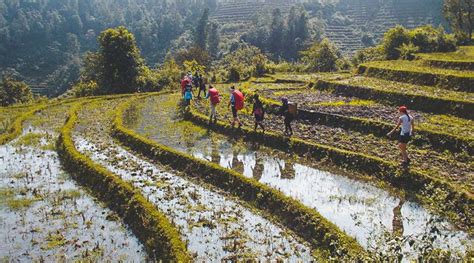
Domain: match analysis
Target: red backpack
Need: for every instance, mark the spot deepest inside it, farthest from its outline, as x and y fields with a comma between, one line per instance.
x=238, y=99
x=214, y=95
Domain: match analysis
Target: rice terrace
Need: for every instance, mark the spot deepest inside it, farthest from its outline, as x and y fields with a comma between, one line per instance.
x=237, y=131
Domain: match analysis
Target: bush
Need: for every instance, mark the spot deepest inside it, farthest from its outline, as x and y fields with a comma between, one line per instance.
x=368, y=54
x=13, y=91
x=245, y=62
x=321, y=57
x=408, y=51
x=392, y=40
x=84, y=89
x=425, y=39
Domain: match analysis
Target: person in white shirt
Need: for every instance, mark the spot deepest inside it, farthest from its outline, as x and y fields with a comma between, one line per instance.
x=407, y=124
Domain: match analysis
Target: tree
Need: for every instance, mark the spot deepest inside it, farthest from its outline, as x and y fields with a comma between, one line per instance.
x=460, y=14
x=277, y=29
x=194, y=53
x=392, y=40
x=321, y=57
x=120, y=61
x=202, y=29
x=13, y=91
x=214, y=40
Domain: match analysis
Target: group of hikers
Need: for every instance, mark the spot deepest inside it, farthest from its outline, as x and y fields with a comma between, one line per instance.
x=288, y=110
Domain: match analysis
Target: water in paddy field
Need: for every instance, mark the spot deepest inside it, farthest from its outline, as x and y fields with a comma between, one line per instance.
x=378, y=219
x=46, y=216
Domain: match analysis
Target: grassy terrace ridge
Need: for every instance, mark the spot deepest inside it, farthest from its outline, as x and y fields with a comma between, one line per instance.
x=326, y=239
x=416, y=73
x=462, y=59
x=159, y=236
x=16, y=127
x=396, y=94
x=414, y=181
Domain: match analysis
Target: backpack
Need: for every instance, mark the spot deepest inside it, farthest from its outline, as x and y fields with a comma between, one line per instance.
x=214, y=95
x=238, y=99
x=258, y=111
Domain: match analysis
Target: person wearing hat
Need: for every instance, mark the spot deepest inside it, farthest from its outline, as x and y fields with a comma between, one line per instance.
x=407, y=124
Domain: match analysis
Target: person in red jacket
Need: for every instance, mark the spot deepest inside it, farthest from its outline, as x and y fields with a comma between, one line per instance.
x=236, y=103
x=214, y=99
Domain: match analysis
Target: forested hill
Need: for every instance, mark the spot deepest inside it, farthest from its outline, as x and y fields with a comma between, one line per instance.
x=41, y=41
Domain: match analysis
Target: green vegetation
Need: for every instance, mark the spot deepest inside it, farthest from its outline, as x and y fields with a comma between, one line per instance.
x=13, y=92
x=460, y=14
x=416, y=73
x=462, y=54
x=117, y=68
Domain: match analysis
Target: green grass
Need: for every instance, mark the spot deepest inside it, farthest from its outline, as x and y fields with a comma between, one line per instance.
x=463, y=54
x=393, y=86
x=355, y=103
x=418, y=67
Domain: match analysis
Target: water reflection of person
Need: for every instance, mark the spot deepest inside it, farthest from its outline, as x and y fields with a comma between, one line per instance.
x=215, y=153
x=397, y=221
x=236, y=164
x=288, y=171
x=258, y=169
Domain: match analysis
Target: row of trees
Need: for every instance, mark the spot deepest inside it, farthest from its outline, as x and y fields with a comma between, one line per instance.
x=460, y=14
x=282, y=37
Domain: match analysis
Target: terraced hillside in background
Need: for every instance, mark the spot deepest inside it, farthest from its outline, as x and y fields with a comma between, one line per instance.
x=140, y=177
x=352, y=20
x=374, y=17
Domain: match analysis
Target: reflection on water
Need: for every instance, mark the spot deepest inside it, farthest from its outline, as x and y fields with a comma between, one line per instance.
x=370, y=214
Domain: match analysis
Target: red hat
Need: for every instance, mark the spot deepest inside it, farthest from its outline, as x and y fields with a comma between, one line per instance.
x=403, y=109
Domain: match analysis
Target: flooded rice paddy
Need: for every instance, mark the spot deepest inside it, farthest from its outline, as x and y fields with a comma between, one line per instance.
x=379, y=220
x=44, y=215
x=215, y=226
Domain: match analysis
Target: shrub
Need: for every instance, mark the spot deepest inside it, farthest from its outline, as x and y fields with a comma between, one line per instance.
x=425, y=38
x=13, y=91
x=408, y=51
x=321, y=57
x=83, y=89
x=169, y=73
x=245, y=62
x=392, y=40
x=368, y=54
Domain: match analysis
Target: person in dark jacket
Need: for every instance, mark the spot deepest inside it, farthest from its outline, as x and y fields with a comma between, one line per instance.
x=285, y=111
x=258, y=113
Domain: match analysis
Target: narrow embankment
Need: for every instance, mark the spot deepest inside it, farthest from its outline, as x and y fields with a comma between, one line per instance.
x=45, y=215
x=215, y=226
x=413, y=72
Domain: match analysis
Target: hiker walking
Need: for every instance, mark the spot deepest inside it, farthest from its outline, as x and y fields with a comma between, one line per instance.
x=187, y=92
x=407, y=124
x=258, y=113
x=236, y=103
x=214, y=99
x=202, y=87
x=288, y=114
